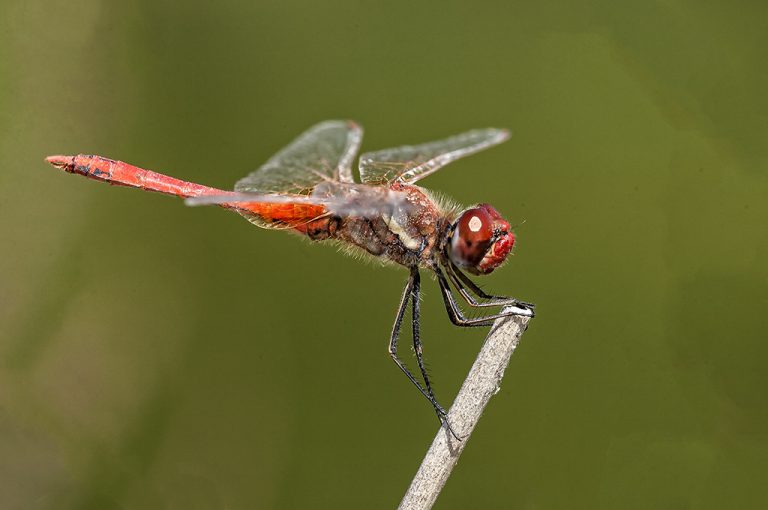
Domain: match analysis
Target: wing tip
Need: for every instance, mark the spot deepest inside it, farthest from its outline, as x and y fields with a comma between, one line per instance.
x=502, y=134
x=346, y=123
x=355, y=127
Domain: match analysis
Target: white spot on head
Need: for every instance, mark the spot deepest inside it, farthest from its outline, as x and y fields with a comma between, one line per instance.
x=475, y=224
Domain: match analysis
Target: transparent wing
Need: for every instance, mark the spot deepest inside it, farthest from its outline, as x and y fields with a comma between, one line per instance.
x=272, y=211
x=291, y=211
x=237, y=198
x=410, y=163
x=322, y=153
x=341, y=199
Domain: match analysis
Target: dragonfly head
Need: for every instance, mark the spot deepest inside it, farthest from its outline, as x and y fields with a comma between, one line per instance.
x=480, y=240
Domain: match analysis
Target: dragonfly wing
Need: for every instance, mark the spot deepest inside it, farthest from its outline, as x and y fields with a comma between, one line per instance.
x=293, y=211
x=273, y=211
x=244, y=198
x=322, y=153
x=410, y=163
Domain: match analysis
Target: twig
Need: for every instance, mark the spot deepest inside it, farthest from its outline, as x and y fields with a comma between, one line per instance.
x=482, y=382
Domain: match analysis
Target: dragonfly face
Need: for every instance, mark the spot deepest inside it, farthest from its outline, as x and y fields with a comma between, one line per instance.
x=481, y=240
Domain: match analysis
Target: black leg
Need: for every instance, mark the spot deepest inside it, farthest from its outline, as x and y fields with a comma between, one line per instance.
x=407, y=294
x=415, y=292
x=396, y=332
x=412, y=291
x=457, y=316
x=416, y=310
x=462, y=282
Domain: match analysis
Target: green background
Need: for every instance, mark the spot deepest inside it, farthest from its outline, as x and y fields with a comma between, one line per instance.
x=158, y=356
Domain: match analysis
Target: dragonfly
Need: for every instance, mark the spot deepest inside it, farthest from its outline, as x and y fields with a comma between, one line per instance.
x=308, y=188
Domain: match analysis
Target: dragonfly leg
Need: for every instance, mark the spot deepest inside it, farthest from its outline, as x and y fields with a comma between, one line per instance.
x=462, y=282
x=417, y=348
x=458, y=317
x=411, y=293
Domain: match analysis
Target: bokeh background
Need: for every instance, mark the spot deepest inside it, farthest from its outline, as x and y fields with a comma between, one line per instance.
x=158, y=356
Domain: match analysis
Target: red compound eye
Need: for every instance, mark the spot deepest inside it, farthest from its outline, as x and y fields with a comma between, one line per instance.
x=475, y=226
x=481, y=240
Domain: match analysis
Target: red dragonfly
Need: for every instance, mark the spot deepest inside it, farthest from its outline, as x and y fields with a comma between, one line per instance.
x=308, y=188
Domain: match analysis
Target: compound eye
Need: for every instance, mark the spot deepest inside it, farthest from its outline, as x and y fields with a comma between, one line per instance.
x=476, y=226
x=472, y=237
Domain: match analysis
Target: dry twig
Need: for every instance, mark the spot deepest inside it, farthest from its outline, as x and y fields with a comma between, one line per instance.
x=482, y=382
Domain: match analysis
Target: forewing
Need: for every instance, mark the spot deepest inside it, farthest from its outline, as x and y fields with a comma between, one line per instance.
x=322, y=153
x=410, y=163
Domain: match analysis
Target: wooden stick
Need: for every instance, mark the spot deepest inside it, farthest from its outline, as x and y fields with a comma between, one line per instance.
x=482, y=382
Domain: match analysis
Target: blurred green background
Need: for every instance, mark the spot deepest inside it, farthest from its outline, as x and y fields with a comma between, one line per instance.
x=158, y=356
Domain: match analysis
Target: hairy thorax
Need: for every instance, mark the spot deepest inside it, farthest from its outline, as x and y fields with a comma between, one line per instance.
x=401, y=224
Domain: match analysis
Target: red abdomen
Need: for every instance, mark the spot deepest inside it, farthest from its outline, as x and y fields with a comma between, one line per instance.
x=298, y=216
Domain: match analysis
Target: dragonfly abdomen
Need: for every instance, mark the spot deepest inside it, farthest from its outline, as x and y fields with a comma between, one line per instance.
x=123, y=174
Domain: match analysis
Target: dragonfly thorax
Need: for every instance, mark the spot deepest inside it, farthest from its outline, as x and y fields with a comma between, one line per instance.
x=400, y=224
